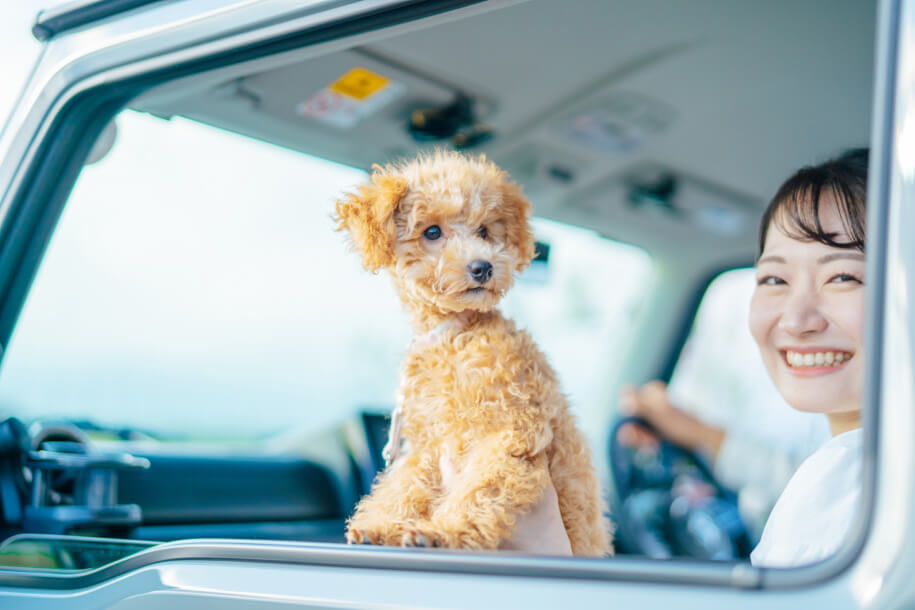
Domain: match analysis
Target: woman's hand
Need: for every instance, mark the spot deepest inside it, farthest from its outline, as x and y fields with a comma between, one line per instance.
x=651, y=402
x=539, y=531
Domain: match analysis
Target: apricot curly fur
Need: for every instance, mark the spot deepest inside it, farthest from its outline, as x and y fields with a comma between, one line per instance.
x=369, y=217
x=479, y=395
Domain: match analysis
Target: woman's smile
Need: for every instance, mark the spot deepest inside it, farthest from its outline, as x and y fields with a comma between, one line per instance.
x=813, y=361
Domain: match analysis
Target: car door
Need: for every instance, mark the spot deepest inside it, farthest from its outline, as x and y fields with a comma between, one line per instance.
x=88, y=73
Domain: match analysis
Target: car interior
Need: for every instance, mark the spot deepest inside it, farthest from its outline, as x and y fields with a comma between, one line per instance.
x=663, y=127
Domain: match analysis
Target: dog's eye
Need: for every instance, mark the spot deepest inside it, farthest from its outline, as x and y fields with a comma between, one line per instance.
x=433, y=233
x=482, y=232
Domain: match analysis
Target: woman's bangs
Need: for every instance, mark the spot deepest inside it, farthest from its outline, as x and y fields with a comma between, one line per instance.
x=797, y=215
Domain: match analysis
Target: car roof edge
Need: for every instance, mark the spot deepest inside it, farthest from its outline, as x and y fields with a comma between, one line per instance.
x=76, y=13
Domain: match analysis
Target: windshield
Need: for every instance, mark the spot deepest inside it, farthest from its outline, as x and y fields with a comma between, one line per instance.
x=195, y=288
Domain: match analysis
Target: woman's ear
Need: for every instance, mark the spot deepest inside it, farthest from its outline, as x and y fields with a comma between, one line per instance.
x=519, y=228
x=368, y=215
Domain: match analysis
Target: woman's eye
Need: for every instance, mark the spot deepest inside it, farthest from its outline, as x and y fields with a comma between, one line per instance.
x=770, y=280
x=482, y=232
x=433, y=233
x=843, y=278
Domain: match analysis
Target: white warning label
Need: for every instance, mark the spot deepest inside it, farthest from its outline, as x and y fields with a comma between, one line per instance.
x=354, y=96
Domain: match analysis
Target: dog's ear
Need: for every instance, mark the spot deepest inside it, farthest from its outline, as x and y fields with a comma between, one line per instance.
x=368, y=215
x=519, y=233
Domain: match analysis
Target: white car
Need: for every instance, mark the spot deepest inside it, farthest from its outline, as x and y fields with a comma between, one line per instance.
x=197, y=371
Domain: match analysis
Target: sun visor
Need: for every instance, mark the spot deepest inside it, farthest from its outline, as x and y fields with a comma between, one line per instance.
x=356, y=106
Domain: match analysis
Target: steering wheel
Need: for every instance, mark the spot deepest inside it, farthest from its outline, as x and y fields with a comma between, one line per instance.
x=669, y=502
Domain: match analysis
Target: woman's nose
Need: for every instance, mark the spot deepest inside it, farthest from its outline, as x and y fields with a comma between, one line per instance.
x=802, y=314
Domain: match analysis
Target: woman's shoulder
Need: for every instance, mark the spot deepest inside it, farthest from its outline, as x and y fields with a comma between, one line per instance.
x=817, y=507
x=836, y=462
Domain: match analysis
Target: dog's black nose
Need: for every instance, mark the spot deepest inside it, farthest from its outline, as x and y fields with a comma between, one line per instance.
x=480, y=271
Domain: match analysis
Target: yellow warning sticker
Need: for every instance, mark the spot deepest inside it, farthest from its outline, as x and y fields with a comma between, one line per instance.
x=354, y=96
x=359, y=84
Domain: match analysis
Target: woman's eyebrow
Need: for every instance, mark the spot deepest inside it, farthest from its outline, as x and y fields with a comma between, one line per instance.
x=855, y=256
x=771, y=259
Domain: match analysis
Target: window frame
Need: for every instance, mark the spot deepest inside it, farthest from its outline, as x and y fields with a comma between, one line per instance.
x=60, y=137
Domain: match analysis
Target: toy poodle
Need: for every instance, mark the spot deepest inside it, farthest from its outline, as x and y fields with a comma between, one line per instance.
x=481, y=426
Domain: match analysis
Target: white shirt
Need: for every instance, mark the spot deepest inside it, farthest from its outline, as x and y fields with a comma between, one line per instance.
x=814, y=514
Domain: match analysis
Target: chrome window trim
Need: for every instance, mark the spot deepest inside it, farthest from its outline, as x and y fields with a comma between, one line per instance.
x=74, y=75
x=632, y=570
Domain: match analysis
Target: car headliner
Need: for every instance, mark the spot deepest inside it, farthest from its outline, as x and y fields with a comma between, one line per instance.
x=737, y=96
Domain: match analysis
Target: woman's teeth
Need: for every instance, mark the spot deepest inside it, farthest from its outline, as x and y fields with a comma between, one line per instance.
x=811, y=359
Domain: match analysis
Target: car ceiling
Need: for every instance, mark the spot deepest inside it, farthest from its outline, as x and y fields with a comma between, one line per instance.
x=664, y=124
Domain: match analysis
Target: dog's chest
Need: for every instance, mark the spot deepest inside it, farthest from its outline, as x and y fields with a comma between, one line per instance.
x=442, y=375
x=430, y=383
x=454, y=382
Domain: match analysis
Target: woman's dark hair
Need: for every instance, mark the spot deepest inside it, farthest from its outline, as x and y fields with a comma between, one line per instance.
x=795, y=209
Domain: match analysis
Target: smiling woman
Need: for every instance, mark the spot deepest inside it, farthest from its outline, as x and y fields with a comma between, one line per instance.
x=807, y=316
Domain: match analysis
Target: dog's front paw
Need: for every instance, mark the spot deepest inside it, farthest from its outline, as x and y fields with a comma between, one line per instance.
x=421, y=539
x=361, y=536
x=427, y=535
x=372, y=531
x=408, y=537
x=381, y=533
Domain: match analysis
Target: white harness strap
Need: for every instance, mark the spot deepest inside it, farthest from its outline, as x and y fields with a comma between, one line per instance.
x=391, y=450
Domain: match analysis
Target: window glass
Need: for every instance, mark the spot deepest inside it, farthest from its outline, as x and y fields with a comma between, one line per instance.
x=195, y=288
x=51, y=552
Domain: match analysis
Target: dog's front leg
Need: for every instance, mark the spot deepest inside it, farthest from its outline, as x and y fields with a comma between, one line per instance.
x=401, y=496
x=495, y=485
